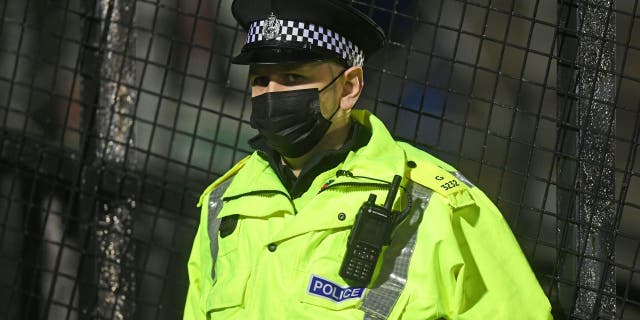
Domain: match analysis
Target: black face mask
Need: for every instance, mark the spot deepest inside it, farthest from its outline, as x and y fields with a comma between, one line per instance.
x=291, y=121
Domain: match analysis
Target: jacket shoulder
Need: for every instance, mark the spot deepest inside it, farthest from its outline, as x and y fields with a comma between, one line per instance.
x=436, y=175
x=424, y=157
x=228, y=175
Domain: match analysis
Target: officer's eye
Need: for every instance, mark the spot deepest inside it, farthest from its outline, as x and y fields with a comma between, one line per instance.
x=260, y=81
x=293, y=78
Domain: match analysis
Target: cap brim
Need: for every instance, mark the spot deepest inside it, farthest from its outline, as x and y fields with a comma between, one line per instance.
x=277, y=55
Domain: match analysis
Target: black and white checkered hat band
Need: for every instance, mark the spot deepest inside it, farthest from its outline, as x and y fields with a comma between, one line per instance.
x=293, y=31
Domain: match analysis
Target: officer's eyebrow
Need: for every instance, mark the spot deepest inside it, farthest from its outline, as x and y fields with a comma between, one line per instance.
x=288, y=67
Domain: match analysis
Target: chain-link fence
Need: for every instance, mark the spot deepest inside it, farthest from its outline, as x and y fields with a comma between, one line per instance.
x=117, y=113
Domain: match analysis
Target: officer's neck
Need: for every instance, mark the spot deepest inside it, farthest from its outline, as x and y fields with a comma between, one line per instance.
x=333, y=140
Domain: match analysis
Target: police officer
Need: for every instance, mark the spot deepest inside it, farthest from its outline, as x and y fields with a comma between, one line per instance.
x=331, y=218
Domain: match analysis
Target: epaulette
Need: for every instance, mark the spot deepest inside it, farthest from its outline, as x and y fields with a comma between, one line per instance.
x=447, y=183
x=232, y=172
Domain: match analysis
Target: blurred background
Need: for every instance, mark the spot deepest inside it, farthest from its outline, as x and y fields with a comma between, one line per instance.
x=116, y=114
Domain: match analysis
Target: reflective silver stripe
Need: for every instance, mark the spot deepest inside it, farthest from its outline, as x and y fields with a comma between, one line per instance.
x=215, y=206
x=462, y=178
x=392, y=278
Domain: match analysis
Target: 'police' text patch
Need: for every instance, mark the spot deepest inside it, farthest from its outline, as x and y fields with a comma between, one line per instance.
x=329, y=290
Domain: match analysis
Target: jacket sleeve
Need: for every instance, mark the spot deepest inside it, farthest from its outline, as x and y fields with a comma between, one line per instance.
x=200, y=260
x=495, y=280
x=467, y=265
x=199, y=268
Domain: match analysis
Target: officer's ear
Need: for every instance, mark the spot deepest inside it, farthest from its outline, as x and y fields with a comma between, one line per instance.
x=354, y=82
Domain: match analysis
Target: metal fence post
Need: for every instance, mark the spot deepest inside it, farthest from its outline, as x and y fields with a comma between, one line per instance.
x=586, y=175
x=109, y=87
x=596, y=174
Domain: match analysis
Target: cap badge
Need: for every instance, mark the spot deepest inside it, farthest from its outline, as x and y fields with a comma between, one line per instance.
x=272, y=27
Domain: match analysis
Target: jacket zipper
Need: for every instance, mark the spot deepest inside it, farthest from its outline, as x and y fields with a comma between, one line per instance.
x=263, y=193
x=360, y=185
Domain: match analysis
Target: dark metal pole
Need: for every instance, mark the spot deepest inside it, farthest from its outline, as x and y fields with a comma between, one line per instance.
x=117, y=101
x=586, y=195
x=596, y=90
x=109, y=87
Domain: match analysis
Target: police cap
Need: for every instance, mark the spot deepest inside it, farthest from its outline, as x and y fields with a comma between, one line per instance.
x=283, y=31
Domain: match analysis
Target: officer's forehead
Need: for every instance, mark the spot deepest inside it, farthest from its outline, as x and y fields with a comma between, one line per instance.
x=315, y=66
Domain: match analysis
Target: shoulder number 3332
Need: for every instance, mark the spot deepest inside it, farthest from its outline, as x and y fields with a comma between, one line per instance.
x=449, y=185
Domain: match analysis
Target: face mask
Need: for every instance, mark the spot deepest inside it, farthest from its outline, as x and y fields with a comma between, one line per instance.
x=291, y=121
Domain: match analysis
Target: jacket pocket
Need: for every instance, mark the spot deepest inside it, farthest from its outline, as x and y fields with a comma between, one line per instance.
x=228, y=291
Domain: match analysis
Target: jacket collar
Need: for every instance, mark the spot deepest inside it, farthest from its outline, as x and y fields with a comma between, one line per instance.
x=382, y=158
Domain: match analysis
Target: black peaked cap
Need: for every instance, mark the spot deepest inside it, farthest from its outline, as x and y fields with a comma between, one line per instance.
x=336, y=15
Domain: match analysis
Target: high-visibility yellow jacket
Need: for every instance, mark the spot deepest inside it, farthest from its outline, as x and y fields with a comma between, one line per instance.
x=283, y=257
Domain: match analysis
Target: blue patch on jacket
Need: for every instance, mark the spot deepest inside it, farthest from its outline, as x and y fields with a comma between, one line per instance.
x=326, y=289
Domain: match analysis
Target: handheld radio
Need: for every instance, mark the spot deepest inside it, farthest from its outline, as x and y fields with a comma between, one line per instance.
x=369, y=234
